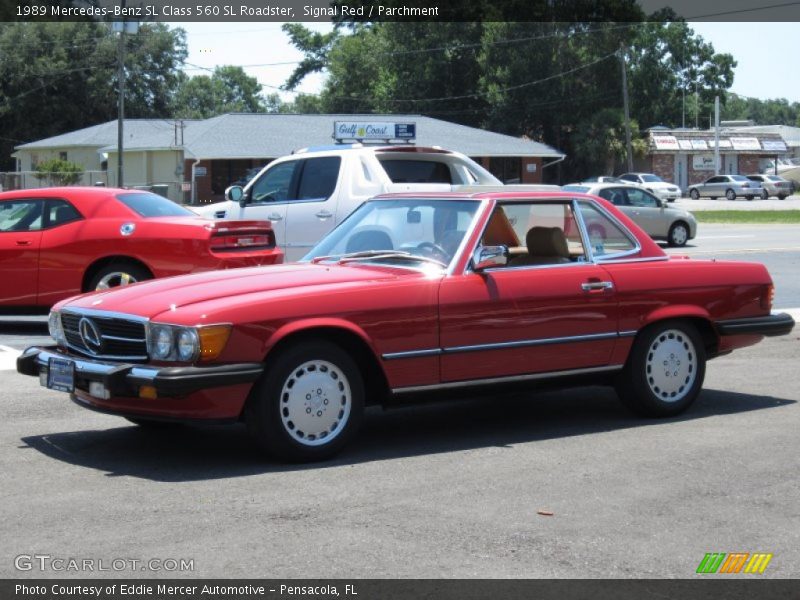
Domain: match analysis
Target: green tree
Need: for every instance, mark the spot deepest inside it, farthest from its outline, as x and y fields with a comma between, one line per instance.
x=228, y=89
x=600, y=143
x=58, y=77
x=59, y=172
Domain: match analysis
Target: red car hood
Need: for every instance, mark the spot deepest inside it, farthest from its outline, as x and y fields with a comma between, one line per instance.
x=152, y=298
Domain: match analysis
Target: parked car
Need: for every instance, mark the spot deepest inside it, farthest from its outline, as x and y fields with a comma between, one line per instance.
x=58, y=242
x=772, y=185
x=605, y=179
x=661, y=221
x=727, y=186
x=412, y=294
x=653, y=183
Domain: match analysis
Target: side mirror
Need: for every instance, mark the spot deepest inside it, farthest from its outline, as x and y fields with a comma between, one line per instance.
x=235, y=193
x=486, y=257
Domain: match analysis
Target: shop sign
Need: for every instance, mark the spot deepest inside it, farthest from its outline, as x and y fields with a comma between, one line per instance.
x=665, y=142
x=703, y=162
x=745, y=144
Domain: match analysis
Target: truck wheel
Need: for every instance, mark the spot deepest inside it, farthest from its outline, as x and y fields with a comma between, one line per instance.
x=308, y=404
x=665, y=370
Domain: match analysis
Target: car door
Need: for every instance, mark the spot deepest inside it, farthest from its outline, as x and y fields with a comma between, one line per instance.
x=62, y=256
x=268, y=196
x=311, y=209
x=513, y=321
x=20, y=241
x=645, y=209
x=713, y=187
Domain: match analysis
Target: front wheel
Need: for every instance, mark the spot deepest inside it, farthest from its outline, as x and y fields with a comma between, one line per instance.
x=308, y=404
x=764, y=195
x=695, y=195
x=665, y=370
x=678, y=234
x=730, y=194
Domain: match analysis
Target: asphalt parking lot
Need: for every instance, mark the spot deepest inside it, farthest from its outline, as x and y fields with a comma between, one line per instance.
x=449, y=490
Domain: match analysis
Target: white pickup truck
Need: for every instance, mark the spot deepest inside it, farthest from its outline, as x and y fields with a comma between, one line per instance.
x=309, y=192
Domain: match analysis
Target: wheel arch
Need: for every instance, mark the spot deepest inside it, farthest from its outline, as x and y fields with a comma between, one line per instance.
x=100, y=263
x=695, y=315
x=345, y=334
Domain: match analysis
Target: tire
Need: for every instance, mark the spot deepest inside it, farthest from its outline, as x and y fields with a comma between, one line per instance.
x=652, y=392
x=694, y=195
x=781, y=197
x=730, y=194
x=293, y=418
x=713, y=197
x=765, y=195
x=748, y=197
x=678, y=234
x=118, y=274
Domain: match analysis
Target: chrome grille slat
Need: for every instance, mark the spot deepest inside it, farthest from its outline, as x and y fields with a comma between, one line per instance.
x=122, y=338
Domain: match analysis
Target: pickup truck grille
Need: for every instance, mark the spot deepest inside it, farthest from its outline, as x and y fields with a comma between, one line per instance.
x=102, y=336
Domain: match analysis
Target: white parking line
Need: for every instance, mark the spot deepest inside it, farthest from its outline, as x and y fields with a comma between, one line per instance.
x=8, y=358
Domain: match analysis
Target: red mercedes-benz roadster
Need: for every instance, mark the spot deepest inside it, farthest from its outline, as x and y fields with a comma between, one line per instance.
x=58, y=242
x=410, y=294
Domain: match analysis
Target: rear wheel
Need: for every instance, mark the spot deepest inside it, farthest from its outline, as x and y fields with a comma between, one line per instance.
x=308, y=404
x=118, y=274
x=695, y=195
x=665, y=370
x=730, y=194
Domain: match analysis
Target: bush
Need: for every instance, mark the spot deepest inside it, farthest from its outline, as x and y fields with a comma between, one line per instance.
x=59, y=172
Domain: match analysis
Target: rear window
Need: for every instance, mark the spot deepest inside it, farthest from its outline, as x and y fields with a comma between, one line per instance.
x=416, y=171
x=580, y=189
x=151, y=205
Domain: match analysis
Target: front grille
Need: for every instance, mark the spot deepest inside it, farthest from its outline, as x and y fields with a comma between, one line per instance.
x=119, y=338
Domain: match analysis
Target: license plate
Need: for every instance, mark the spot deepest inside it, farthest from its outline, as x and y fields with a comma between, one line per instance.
x=61, y=375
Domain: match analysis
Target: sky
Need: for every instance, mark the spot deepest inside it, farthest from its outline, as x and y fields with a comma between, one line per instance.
x=765, y=53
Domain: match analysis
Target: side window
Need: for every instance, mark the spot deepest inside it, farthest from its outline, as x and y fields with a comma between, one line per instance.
x=319, y=177
x=21, y=215
x=60, y=212
x=416, y=171
x=606, y=237
x=275, y=184
x=641, y=199
x=536, y=234
x=628, y=177
x=616, y=197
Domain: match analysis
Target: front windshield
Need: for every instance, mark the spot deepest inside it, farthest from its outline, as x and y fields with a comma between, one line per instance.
x=399, y=231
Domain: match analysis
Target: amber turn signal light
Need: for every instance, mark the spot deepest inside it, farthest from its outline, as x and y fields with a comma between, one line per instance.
x=212, y=341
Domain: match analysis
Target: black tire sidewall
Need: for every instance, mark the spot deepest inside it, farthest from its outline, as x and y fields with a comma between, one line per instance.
x=262, y=413
x=632, y=386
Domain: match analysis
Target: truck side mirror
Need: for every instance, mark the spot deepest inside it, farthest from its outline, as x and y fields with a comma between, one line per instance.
x=235, y=193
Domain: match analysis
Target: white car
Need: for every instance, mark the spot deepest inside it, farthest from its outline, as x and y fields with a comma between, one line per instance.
x=661, y=222
x=653, y=183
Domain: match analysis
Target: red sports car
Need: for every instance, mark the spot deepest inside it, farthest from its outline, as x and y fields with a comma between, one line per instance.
x=411, y=294
x=58, y=242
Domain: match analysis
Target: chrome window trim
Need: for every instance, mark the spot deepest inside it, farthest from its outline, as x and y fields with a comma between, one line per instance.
x=637, y=247
x=636, y=260
x=508, y=345
x=507, y=379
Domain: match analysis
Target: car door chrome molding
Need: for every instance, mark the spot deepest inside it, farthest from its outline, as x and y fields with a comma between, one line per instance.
x=507, y=379
x=572, y=339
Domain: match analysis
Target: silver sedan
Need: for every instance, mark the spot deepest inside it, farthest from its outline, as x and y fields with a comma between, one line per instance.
x=729, y=186
x=661, y=221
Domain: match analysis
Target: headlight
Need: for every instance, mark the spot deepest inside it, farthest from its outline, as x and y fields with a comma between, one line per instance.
x=186, y=344
x=55, y=328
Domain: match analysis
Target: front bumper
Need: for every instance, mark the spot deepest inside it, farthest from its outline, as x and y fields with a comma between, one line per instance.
x=125, y=380
x=770, y=325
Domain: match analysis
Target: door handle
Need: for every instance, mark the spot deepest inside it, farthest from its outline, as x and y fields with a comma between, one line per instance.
x=275, y=217
x=593, y=286
x=324, y=214
x=23, y=242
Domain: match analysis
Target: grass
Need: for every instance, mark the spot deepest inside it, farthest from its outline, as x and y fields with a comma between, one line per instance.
x=747, y=216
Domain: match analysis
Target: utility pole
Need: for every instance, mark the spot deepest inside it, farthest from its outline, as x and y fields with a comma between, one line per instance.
x=120, y=100
x=716, y=136
x=628, y=147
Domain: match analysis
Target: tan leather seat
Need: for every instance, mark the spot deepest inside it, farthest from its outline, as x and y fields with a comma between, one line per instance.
x=546, y=246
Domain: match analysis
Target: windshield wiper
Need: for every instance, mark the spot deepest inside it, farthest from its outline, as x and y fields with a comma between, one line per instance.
x=376, y=254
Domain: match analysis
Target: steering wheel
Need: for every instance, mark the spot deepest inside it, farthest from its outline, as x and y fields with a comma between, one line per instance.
x=433, y=250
